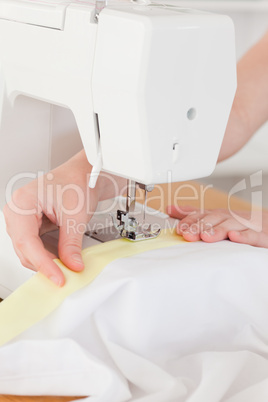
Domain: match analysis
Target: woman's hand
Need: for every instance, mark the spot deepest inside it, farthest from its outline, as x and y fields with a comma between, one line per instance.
x=61, y=199
x=219, y=224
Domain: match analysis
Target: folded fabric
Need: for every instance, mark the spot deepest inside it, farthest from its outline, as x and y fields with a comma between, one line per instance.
x=47, y=296
x=181, y=323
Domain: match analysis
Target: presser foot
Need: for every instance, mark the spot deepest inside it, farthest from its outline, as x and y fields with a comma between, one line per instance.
x=130, y=229
x=126, y=226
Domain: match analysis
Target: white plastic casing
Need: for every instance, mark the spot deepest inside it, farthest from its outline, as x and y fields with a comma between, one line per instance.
x=46, y=60
x=164, y=80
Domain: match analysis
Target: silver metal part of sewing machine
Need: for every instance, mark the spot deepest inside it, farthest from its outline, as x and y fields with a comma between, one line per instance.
x=128, y=225
x=100, y=229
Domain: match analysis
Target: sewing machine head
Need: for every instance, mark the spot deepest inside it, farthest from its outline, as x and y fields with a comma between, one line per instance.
x=163, y=84
x=150, y=85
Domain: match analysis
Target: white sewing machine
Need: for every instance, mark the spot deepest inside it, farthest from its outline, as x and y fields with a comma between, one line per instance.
x=148, y=87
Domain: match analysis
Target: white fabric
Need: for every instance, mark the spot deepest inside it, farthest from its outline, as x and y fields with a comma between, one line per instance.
x=186, y=323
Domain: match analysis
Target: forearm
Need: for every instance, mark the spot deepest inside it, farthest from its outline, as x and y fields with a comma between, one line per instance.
x=250, y=107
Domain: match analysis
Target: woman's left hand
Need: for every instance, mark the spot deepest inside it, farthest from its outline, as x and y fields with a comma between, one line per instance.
x=220, y=224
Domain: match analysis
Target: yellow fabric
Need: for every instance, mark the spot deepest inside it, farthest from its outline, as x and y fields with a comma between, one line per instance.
x=38, y=297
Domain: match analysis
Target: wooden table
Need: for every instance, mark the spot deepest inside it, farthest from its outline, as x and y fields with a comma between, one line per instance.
x=187, y=193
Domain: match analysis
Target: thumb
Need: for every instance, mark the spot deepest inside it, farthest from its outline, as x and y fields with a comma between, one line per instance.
x=70, y=246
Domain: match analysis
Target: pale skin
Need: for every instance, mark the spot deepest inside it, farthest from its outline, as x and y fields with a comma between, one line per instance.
x=54, y=199
x=249, y=112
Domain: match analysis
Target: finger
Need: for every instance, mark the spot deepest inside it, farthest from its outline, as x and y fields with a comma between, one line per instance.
x=70, y=244
x=26, y=263
x=190, y=235
x=180, y=212
x=220, y=231
x=210, y=223
x=192, y=227
x=24, y=234
x=190, y=224
x=39, y=258
x=249, y=236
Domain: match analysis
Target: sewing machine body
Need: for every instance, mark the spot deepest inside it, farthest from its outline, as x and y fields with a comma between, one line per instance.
x=150, y=87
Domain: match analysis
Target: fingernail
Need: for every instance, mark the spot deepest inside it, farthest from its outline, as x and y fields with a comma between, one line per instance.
x=56, y=280
x=209, y=232
x=184, y=227
x=188, y=231
x=77, y=258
